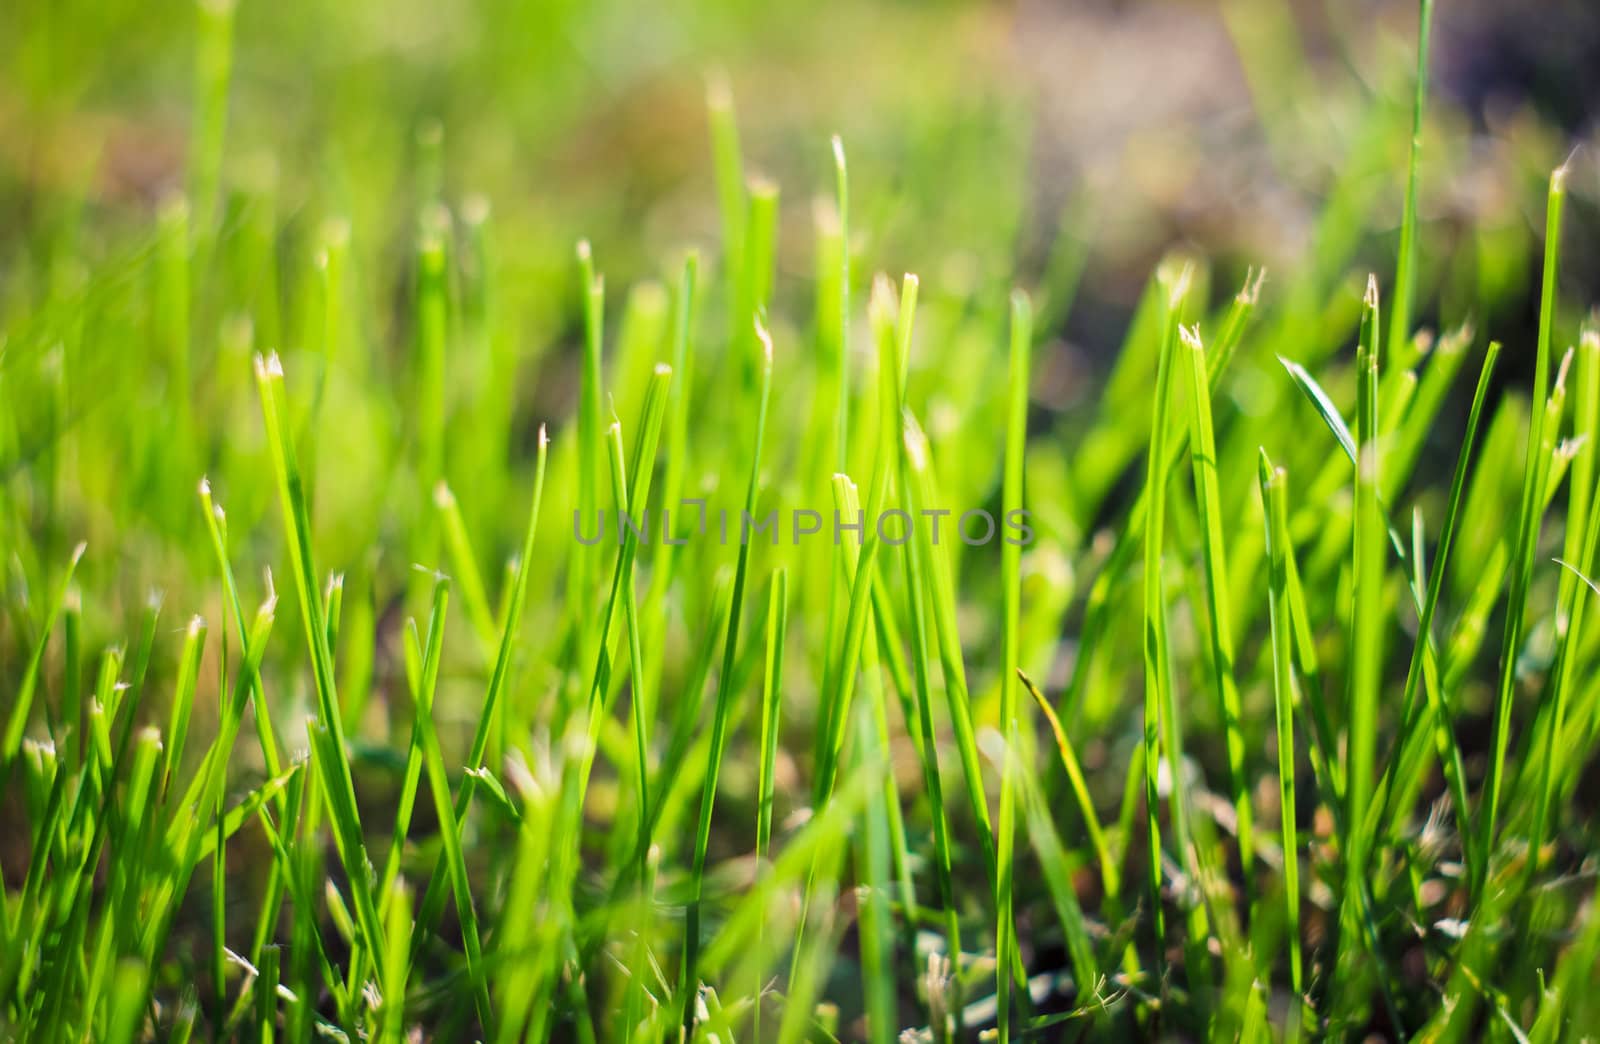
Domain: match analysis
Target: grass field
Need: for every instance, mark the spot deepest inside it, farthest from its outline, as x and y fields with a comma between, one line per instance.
x=498, y=544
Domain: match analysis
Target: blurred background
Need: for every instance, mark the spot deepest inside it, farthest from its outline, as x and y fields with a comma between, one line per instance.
x=974, y=129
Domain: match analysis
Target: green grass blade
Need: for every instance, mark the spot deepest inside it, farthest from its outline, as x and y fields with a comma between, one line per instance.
x=449, y=829
x=17, y=721
x=1406, y=269
x=499, y=683
x=771, y=711
x=1110, y=874
x=1011, y=612
x=1275, y=497
x=1530, y=513
x=1367, y=619
x=1400, y=766
x=689, y=981
x=1203, y=455
x=1158, y=703
x=913, y=480
x=338, y=789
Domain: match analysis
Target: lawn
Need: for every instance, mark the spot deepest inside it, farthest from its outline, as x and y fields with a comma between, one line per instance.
x=847, y=521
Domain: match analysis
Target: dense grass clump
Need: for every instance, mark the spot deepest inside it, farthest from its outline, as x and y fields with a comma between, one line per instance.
x=774, y=658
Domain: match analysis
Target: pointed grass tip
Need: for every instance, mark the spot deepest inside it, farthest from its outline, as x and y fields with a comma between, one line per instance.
x=1558, y=177
x=1561, y=371
x=719, y=94
x=916, y=442
x=475, y=210
x=439, y=575
x=882, y=301
x=766, y=341
x=1176, y=273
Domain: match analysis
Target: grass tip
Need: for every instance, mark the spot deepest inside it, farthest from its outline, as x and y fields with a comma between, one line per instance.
x=439, y=575
x=825, y=215
x=1190, y=336
x=1370, y=298
x=719, y=93
x=475, y=209
x=431, y=236
x=517, y=773
x=77, y=551
x=766, y=341
x=544, y=435
x=838, y=151
x=585, y=251
x=335, y=232
x=882, y=302
x=269, y=366
x=915, y=440
x=1180, y=287
x=1561, y=372
x=1558, y=177
x=442, y=497
x=1457, y=340
x=663, y=369
x=1250, y=293
x=1264, y=464
x=174, y=208
x=197, y=623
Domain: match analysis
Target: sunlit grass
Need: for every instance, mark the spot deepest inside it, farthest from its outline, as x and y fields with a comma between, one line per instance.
x=1208, y=735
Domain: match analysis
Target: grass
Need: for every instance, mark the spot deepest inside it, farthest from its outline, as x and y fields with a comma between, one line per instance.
x=926, y=680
